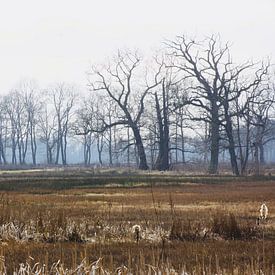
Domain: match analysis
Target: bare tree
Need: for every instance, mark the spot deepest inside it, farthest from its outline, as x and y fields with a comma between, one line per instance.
x=85, y=118
x=47, y=125
x=32, y=106
x=3, y=134
x=19, y=125
x=261, y=104
x=213, y=84
x=119, y=82
x=63, y=99
x=200, y=65
x=162, y=162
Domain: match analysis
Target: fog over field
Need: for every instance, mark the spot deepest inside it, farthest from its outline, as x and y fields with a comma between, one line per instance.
x=59, y=58
x=137, y=137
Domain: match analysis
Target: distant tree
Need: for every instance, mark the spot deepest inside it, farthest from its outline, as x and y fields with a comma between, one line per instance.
x=63, y=98
x=19, y=125
x=47, y=124
x=3, y=133
x=121, y=84
x=85, y=117
x=262, y=132
x=32, y=106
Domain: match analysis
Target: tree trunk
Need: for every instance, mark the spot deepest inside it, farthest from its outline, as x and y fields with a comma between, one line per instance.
x=233, y=157
x=165, y=163
x=256, y=157
x=159, y=161
x=128, y=147
x=57, y=150
x=99, y=144
x=162, y=162
x=140, y=149
x=215, y=138
x=33, y=143
x=2, y=152
x=182, y=143
x=262, y=157
x=110, y=141
x=231, y=142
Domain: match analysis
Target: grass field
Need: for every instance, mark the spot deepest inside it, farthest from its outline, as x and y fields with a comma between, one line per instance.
x=83, y=220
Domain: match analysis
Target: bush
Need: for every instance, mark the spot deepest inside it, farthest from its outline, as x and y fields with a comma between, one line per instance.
x=74, y=235
x=184, y=230
x=227, y=227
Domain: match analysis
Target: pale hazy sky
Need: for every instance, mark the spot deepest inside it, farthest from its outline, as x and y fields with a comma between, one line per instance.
x=57, y=40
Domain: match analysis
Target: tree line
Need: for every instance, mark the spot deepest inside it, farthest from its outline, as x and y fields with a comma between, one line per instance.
x=190, y=98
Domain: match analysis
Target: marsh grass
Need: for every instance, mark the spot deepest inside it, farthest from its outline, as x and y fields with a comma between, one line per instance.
x=190, y=227
x=45, y=180
x=228, y=227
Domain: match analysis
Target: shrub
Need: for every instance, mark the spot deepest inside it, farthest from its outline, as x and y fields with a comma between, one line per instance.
x=184, y=230
x=74, y=235
x=227, y=227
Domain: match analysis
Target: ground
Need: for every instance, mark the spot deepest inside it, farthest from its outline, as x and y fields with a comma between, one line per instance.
x=188, y=223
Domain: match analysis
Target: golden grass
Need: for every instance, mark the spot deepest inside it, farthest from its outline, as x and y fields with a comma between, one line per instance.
x=72, y=224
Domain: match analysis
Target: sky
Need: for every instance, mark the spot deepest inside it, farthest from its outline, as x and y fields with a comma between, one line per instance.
x=53, y=41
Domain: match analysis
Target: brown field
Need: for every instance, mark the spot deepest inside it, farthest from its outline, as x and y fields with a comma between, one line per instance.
x=197, y=225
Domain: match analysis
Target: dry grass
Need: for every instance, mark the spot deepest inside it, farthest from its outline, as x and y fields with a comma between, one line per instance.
x=191, y=227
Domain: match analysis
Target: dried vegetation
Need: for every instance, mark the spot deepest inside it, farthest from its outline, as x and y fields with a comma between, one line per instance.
x=184, y=227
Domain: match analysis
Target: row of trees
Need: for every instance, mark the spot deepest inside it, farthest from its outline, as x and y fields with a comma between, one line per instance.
x=28, y=115
x=190, y=99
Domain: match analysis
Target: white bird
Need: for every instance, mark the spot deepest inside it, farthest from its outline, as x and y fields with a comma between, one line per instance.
x=263, y=211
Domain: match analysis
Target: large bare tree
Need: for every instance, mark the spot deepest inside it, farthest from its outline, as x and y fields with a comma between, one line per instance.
x=213, y=83
x=121, y=83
